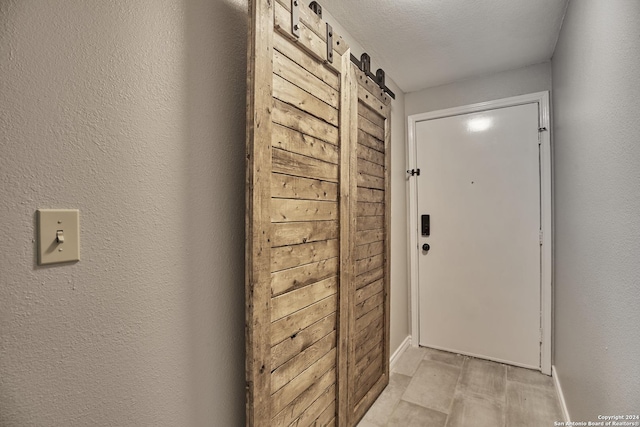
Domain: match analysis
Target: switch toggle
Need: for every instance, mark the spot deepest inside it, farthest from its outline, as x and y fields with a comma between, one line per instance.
x=58, y=235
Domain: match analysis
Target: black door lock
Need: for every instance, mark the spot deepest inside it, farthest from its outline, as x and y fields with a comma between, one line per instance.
x=426, y=247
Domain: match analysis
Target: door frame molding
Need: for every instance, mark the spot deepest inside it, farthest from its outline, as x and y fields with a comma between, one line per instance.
x=542, y=99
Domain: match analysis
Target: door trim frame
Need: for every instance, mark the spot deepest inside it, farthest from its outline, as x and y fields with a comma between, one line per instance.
x=542, y=99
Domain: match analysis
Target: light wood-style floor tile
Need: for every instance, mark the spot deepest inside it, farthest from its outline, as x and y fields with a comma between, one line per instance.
x=471, y=410
x=444, y=357
x=483, y=378
x=381, y=410
x=433, y=385
x=410, y=415
x=529, y=405
x=409, y=361
x=529, y=376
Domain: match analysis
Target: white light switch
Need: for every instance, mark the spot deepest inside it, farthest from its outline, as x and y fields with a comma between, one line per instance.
x=58, y=235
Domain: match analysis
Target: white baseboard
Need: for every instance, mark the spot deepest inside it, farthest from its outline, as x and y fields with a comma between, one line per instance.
x=563, y=404
x=396, y=354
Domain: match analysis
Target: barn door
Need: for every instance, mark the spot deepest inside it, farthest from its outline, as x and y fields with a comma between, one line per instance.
x=297, y=218
x=369, y=297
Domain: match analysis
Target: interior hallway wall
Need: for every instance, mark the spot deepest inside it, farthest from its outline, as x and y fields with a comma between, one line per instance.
x=399, y=259
x=597, y=199
x=521, y=81
x=134, y=113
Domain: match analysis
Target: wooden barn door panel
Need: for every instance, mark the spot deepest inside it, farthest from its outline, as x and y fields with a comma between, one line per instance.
x=317, y=285
x=297, y=198
x=369, y=293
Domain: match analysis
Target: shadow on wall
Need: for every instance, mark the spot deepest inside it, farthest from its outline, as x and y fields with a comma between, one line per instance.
x=215, y=57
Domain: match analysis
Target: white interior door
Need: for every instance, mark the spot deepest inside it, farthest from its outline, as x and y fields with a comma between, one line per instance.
x=479, y=284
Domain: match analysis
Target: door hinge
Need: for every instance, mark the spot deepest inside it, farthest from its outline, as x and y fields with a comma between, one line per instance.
x=540, y=335
x=413, y=172
x=541, y=235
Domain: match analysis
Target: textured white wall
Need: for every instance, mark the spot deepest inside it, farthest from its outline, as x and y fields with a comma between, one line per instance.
x=134, y=113
x=597, y=199
x=521, y=81
x=399, y=263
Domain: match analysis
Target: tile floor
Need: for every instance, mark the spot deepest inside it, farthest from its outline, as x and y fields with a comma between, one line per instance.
x=432, y=388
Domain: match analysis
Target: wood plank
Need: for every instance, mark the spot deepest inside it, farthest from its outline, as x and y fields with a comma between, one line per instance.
x=285, y=257
x=308, y=39
x=328, y=416
x=326, y=384
x=292, y=325
x=287, y=92
x=370, y=168
x=370, y=181
x=297, y=299
x=292, y=51
x=368, y=264
x=293, y=233
x=374, y=117
x=369, y=141
x=369, y=236
x=374, y=90
x=289, y=163
x=370, y=154
x=296, y=142
x=369, y=337
x=370, y=397
x=296, y=74
x=370, y=128
x=289, y=348
x=287, y=210
x=368, y=318
x=311, y=416
x=369, y=249
x=368, y=277
x=368, y=378
x=283, y=397
x=374, y=354
x=370, y=209
x=293, y=187
x=318, y=26
x=298, y=277
x=295, y=366
x=370, y=195
x=368, y=291
x=369, y=304
x=370, y=222
x=257, y=223
x=370, y=100
x=292, y=117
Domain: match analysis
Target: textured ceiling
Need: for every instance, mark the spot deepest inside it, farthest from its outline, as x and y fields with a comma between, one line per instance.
x=426, y=43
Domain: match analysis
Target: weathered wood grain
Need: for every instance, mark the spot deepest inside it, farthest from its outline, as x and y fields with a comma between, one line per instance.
x=297, y=277
x=287, y=92
x=288, y=69
x=368, y=264
x=370, y=141
x=284, y=396
x=293, y=187
x=370, y=181
x=294, y=164
x=299, y=143
x=370, y=128
x=369, y=304
x=286, y=210
x=302, y=361
x=326, y=384
x=292, y=325
x=327, y=417
x=312, y=415
x=299, y=56
x=371, y=155
x=371, y=222
x=368, y=277
x=370, y=209
x=294, y=118
x=370, y=195
x=374, y=117
x=290, y=347
x=369, y=249
x=370, y=168
x=294, y=233
x=368, y=291
x=285, y=257
x=297, y=299
x=369, y=236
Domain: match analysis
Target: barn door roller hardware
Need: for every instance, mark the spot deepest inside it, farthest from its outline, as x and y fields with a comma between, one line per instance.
x=364, y=64
x=317, y=9
x=295, y=18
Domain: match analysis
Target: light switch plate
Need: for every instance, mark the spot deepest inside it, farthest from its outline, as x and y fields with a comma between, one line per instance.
x=58, y=236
